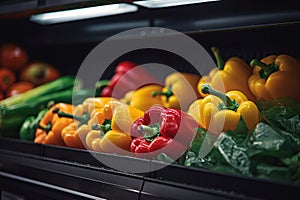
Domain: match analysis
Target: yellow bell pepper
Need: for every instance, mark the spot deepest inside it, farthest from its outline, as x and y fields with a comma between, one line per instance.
x=142, y=97
x=218, y=112
x=92, y=110
x=180, y=90
x=114, y=137
x=111, y=142
x=232, y=75
x=275, y=76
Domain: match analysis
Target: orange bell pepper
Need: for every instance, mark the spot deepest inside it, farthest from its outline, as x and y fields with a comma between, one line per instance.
x=51, y=125
x=92, y=110
x=274, y=77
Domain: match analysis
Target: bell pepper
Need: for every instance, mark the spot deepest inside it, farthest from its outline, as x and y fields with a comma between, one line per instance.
x=232, y=75
x=92, y=110
x=112, y=141
x=113, y=135
x=218, y=112
x=142, y=97
x=73, y=135
x=162, y=129
x=127, y=77
x=29, y=126
x=275, y=76
x=180, y=90
x=50, y=127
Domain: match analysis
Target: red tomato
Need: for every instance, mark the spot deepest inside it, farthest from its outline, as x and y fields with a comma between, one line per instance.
x=13, y=56
x=7, y=78
x=19, y=88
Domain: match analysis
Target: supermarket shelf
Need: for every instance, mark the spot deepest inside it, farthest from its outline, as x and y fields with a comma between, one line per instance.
x=67, y=171
x=204, y=17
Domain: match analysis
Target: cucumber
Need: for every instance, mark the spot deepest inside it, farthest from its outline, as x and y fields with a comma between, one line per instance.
x=12, y=117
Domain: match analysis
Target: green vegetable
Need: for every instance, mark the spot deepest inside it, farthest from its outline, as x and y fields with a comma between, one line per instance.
x=100, y=85
x=270, y=151
x=28, y=128
x=270, y=142
x=11, y=120
x=65, y=82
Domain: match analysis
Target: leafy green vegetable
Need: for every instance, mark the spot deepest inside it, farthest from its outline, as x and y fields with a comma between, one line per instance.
x=235, y=155
x=271, y=150
x=269, y=142
x=198, y=139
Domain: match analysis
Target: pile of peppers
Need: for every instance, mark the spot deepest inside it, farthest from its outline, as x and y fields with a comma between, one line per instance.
x=256, y=117
x=100, y=124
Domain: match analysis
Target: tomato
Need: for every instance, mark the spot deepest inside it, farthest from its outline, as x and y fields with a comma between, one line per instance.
x=7, y=78
x=39, y=73
x=19, y=88
x=13, y=56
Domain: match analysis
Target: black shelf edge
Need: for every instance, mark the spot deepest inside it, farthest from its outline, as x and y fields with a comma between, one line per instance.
x=75, y=165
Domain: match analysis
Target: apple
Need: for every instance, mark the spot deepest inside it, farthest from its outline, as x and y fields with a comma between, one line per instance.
x=39, y=72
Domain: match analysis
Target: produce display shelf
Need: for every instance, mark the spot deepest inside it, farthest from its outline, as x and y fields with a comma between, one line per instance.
x=252, y=29
x=78, y=172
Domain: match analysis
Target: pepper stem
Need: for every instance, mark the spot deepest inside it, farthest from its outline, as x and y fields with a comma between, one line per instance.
x=82, y=119
x=266, y=70
x=104, y=128
x=220, y=61
x=167, y=94
x=227, y=102
x=46, y=128
x=150, y=132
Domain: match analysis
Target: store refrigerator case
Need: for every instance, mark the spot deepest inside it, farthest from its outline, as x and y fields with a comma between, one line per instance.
x=33, y=171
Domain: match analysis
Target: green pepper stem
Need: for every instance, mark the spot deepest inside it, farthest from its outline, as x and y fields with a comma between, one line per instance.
x=227, y=103
x=150, y=132
x=220, y=61
x=82, y=119
x=206, y=89
x=266, y=70
x=167, y=94
x=46, y=128
x=104, y=128
x=146, y=129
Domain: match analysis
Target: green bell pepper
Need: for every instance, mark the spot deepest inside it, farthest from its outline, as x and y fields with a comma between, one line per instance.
x=28, y=128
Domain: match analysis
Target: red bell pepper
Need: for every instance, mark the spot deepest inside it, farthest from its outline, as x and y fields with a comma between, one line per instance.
x=162, y=130
x=127, y=77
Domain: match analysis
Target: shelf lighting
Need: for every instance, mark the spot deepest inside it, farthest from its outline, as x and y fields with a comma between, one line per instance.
x=168, y=3
x=82, y=13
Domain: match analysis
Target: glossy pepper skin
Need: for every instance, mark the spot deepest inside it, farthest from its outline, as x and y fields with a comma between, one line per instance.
x=274, y=77
x=29, y=126
x=92, y=110
x=142, y=97
x=160, y=127
x=128, y=76
x=232, y=75
x=112, y=136
x=218, y=112
x=180, y=90
x=51, y=125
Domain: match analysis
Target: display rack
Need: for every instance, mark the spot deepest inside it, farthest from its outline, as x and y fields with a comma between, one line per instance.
x=34, y=171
